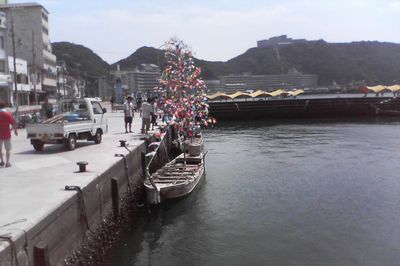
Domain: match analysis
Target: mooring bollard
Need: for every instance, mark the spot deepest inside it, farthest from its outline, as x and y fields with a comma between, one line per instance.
x=82, y=166
x=122, y=143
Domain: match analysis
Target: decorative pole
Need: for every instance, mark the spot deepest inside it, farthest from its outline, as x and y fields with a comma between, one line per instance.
x=182, y=89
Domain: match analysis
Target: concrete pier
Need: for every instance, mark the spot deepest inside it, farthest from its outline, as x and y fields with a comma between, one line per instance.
x=41, y=221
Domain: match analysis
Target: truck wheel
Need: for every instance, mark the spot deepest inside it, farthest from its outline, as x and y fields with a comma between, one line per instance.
x=71, y=142
x=38, y=145
x=97, y=137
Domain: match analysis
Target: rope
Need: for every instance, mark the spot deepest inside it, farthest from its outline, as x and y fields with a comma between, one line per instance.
x=82, y=209
x=165, y=149
x=81, y=204
x=100, y=201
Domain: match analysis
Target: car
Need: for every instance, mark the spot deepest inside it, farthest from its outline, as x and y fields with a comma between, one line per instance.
x=98, y=99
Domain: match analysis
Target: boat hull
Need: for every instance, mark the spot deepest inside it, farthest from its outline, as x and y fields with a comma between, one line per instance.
x=176, y=186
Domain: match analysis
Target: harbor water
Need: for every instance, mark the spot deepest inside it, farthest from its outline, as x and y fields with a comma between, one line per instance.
x=282, y=193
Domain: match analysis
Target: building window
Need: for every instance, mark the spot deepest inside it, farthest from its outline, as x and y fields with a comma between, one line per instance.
x=2, y=42
x=2, y=66
x=22, y=79
x=44, y=16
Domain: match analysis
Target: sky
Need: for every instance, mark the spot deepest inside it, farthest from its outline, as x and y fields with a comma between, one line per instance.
x=216, y=30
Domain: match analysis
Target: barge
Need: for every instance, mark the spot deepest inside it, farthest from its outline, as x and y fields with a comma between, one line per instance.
x=305, y=107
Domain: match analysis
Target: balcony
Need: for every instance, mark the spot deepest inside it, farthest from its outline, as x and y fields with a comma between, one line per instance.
x=49, y=56
x=5, y=80
x=50, y=82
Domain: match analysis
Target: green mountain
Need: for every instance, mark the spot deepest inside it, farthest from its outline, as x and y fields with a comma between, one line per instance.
x=80, y=59
x=81, y=62
x=148, y=55
x=211, y=70
x=373, y=62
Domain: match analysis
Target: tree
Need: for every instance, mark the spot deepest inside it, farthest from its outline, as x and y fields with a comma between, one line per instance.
x=183, y=98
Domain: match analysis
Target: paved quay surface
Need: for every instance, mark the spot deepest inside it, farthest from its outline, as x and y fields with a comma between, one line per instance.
x=34, y=185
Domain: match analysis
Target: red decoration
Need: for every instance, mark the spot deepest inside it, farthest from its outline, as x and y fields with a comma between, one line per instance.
x=182, y=89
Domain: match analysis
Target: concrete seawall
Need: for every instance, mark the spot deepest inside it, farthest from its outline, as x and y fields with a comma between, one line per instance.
x=41, y=223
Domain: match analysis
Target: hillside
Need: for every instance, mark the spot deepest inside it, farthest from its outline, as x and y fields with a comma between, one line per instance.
x=79, y=58
x=374, y=62
x=81, y=62
x=211, y=70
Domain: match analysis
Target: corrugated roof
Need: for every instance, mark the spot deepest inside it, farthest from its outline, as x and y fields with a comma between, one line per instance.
x=218, y=95
x=376, y=89
x=393, y=88
x=239, y=94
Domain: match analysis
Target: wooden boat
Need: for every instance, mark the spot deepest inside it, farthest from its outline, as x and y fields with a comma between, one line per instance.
x=176, y=179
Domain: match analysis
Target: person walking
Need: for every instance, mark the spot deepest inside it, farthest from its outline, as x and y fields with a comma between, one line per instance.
x=138, y=101
x=112, y=101
x=6, y=120
x=154, y=114
x=147, y=109
x=128, y=114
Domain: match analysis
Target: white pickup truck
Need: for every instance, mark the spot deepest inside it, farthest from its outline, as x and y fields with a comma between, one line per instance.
x=75, y=119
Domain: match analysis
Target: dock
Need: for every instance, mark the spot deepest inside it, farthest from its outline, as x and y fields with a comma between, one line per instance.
x=42, y=220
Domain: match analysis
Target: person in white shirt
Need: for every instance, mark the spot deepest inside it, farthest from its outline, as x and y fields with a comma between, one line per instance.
x=147, y=110
x=128, y=114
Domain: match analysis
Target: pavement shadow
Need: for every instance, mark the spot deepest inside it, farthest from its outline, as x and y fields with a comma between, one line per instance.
x=54, y=148
x=123, y=133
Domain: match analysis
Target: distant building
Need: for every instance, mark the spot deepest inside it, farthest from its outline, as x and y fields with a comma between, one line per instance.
x=279, y=40
x=23, y=87
x=143, y=78
x=70, y=86
x=5, y=78
x=292, y=80
x=213, y=85
x=106, y=87
x=32, y=43
x=67, y=86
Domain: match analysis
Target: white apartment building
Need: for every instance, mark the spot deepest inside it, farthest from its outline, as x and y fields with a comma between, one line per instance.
x=143, y=78
x=292, y=80
x=5, y=78
x=28, y=22
x=23, y=86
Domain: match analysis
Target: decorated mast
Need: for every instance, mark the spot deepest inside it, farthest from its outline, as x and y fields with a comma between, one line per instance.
x=182, y=90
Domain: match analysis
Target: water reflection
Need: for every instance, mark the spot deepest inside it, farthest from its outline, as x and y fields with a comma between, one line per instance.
x=306, y=193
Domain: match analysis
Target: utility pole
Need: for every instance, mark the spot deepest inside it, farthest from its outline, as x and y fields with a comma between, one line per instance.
x=58, y=83
x=63, y=77
x=15, y=66
x=34, y=69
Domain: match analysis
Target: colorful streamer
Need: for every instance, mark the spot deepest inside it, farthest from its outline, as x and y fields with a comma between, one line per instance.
x=182, y=90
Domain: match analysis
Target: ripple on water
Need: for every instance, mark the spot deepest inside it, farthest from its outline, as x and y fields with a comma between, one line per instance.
x=302, y=193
